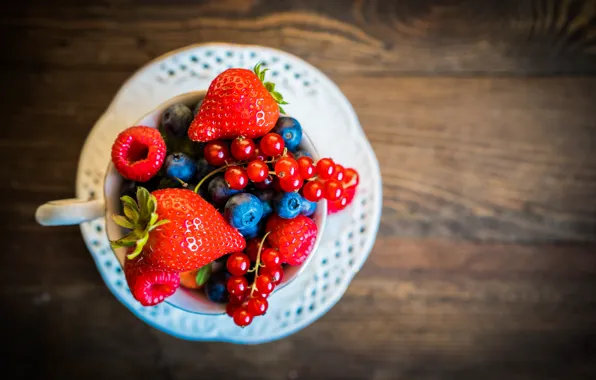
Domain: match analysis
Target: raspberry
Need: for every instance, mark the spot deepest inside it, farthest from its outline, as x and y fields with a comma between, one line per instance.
x=138, y=153
x=294, y=238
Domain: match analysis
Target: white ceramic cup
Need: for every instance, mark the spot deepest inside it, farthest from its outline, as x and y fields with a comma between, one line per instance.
x=75, y=211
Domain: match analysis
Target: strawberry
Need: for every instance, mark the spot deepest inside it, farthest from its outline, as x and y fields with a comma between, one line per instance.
x=148, y=285
x=175, y=230
x=238, y=103
x=294, y=239
x=138, y=153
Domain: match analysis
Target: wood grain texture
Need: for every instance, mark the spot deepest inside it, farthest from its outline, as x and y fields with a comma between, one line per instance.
x=481, y=114
x=459, y=37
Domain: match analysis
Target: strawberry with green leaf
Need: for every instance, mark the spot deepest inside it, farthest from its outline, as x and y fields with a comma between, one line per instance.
x=238, y=103
x=175, y=230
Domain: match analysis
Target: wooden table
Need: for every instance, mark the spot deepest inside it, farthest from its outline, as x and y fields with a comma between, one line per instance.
x=482, y=115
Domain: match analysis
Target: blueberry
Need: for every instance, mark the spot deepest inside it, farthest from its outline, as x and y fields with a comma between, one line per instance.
x=253, y=231
x=267, y=208
x=196, y=108
x=219, y=191
x=176, y=119
x=265, y=195
x=216, y=287
x=290, y=130
x=203, y=192
x=243, y=210
x=181, y=166
x=301, y=153
x=288, y=205
x=203, y=168
x=308, y=208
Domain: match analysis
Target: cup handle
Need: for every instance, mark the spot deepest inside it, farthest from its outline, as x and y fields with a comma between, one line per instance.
x=67, y=212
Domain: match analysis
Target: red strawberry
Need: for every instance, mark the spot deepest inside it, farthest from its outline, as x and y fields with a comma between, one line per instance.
x=138, y=153
x=148, y=285
x=294, y=239
x=238, y=103
x=176, y=230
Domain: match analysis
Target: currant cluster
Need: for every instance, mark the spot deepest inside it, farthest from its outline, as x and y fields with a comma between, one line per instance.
x=249, y=301
x=271, y=165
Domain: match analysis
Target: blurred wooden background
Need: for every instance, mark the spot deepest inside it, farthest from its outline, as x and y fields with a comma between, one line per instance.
x=482, y=115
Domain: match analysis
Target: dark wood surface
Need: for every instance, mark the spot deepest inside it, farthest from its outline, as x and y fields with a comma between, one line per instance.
x=482, y=115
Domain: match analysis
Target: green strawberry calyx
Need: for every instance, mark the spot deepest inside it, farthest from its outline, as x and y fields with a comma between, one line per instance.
x=270, y=86
x=140, y=217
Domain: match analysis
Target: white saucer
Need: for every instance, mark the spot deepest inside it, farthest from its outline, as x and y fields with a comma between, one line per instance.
x=328, y=118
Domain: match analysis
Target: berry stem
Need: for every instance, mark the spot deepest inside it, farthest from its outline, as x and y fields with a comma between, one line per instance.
x=209, y=176
x=256, y=268
x=352, y=183
x=184, y=184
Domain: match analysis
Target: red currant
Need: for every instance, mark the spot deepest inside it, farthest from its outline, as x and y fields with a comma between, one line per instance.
x=242, y=317
x=237, y=285
x=262, y=295
x=216, y=152
x=267, y=183
x=286, y=167
x=276, y=185
x=238, y=300
x=313, y=191
x=243, y=148
x=236, y=177
x=325, y=168
x=231, y=307
x=272, y=144
x=343, y=202
x=257, y=306
x=238, y=264
x=252, y=248
x=276, y=273
x=265, y=284
x=257, y=170
x=290, y=184
x=259, y=155
x=338, y=173
x=351, y=177
x=270, y=258
x=306, y=167
x=333, y=190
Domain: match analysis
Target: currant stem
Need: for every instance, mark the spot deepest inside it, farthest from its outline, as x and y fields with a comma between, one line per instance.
x=184, y=184
x=208, y=176
x=352, y=183
x=257, y=265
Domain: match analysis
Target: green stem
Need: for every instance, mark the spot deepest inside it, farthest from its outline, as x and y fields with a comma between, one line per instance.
x=256, y=269
x=209, y=176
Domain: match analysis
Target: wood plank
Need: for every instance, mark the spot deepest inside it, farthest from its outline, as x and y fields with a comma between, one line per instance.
x=427, y=308
x=484, y=265
x=483, y=158
x=361, y=36
x=493, y=159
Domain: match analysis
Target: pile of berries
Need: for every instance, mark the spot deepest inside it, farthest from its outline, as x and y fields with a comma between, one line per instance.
x=222, y=205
